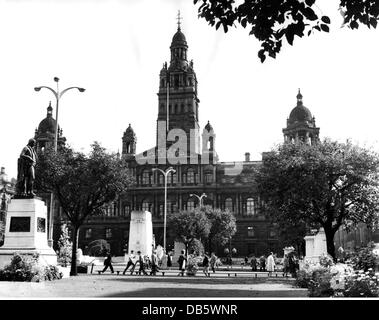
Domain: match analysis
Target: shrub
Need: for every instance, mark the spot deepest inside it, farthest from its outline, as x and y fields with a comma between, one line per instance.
x=362, y=284
x=192, y=266
x=364, y=259
x=28, y=268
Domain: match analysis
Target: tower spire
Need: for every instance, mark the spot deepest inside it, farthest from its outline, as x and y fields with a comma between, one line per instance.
x=179, y=18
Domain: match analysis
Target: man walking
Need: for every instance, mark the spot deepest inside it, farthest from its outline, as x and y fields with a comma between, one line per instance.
x=182, y=263
x=131, y=261
x=108, y=263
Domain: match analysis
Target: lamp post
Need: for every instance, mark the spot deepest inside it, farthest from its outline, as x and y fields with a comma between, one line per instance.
x=165, y=174
x=199, y=197
x=58, y=94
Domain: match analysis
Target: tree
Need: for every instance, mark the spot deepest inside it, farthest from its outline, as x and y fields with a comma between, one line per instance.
x=327, y=185
x=187, y=226
x=82, y=184
x=270, y=21
x=292, y=234
x=223, y=226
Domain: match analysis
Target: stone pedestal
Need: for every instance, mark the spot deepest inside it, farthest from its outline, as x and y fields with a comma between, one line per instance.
x=141, y=233
x=315, y=246
x=26, y=231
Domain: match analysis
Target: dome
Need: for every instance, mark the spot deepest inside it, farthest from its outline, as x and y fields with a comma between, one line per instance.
x=179, y=39
x=129, y=133
x=300, y=113
x=47, y=124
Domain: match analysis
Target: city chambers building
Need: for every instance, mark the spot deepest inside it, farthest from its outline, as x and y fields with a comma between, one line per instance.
x=191, y=151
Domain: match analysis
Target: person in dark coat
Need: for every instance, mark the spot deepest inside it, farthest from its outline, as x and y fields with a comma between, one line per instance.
x=262, y=263
x=154, y=263
x=108, y=263
x=206, y=265
x=182, y=263
x=253, y=263
x=169, y=260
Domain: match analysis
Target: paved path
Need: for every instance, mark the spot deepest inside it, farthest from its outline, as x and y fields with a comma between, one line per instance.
x=113, y=286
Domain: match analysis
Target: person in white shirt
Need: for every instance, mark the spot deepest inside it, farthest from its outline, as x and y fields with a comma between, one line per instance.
x=131, y=261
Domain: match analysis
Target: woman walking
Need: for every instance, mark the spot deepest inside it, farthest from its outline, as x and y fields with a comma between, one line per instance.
x=270, y=264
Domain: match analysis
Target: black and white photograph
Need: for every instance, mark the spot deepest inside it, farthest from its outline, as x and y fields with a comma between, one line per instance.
x=196, y=151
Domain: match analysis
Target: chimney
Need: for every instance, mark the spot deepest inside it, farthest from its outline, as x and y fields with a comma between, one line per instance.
x=247, y=156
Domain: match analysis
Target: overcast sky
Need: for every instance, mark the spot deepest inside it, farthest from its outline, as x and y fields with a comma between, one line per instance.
x=115, y=49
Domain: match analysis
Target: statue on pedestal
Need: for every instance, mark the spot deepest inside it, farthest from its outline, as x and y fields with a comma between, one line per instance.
x=25, y=170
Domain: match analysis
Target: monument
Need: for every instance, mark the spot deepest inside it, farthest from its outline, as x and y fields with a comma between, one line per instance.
x=315, y=246
x=141, y=233
x=25, y=228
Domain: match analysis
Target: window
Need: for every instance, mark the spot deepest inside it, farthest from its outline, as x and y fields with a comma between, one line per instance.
x=160, y=179
x=88, y=233
x=272, y=233
x=190, y=205
x=190, y=176
x=108, y=233
x=161, y=210
x=184, y=180
x=173, y=178
x=250, y=207
x=145, y=206
x=127, y=210
x=229, y=204
x=208, y=178
x=145, y=178
x=250, y=231
x=125, y=234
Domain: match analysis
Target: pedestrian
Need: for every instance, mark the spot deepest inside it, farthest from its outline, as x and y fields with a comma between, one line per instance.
x=262, y=263
x=270, y=264
x=182, y=263
x=108, y=262
x=141, y=264
x=285, y=265
x=206, y=265
x=169, y=260
x=246, y=261
x=253, y=263
x=163, y=261
x=131, y=261
x=154, y=263
x=213, y=262
x=292, y=264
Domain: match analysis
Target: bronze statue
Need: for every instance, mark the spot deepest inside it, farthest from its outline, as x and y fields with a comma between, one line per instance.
x=26, y=174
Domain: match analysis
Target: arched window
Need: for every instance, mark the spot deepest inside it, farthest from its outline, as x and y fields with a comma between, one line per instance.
x=208, y=178
x=190, y=205
x=181, y=110
x=145, y=178
x=162, y=108
x=190, y=176
x=229, y=204
x=160, y=179
x=250, y=207
x=250, y=232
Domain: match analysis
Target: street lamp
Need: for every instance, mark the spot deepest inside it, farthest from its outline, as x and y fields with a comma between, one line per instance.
x=58, y=94
x=165, y=174
x=199, y=197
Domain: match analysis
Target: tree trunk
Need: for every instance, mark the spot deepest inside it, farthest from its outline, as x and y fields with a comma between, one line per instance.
x=75, y=236
x=329, y=234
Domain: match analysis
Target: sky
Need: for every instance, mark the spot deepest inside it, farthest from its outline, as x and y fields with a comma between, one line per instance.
x=115, y=50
